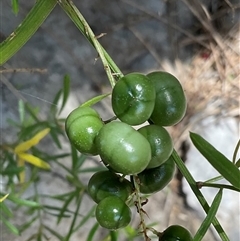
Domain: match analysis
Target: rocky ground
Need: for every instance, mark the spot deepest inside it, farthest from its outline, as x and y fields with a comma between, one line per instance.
x=141, y=36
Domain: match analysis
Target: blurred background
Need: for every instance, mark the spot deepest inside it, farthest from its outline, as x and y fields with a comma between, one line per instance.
x=198, y=41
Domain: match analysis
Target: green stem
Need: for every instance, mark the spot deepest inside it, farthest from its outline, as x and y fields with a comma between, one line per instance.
x=39, y=211
x=85, y=29
x=198, y=194
x=236, y=151
x=139, y=208
x=215, y=185
x=211, y=214
x=79, y=199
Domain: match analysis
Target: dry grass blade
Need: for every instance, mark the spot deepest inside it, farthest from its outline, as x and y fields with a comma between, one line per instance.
x=166, y=21
x=148, y=46
x=23, y=70
x=204, y=18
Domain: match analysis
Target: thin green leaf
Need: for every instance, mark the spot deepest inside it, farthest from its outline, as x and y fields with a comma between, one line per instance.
x=60, y=156
x=13, y=123
x=23, y=202
x=64, y=208
x=92, y=232
x=94, y=100
x=12, y=170
x=217, y=185
x=64, y=167
x=55, y=138
x=32, y=237
x=236, y=151
x=53, y=232
x=4, y=209
x=28, y=224
x=225, y=167
x=192, y=183
x=238, y=163
x=71, y=229
x=33, y=112
x=57, y=214
x=10, y=226
x=54, y=105
x=15, y=7
x=9, y=157
x=58, y=210
x=209, y=218
x=60, y=196
x=39, y=237
x=214, y=179
x=66, y=90
x=85, y=218
x=47, y=157
x=54, y=208
x=74, y=181
x=92, y=169
x=26, y=29
x=45, y=236
x=21, y=110
x=80, y=161
x=30, y=131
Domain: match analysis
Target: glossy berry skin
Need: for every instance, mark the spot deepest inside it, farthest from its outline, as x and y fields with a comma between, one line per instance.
x=106, y=183
x=160, y=142
x=176, y=233
x=112, y=213
x=170, y=104
x=123, y=148
x=82, y=125
x=133, y=98
x=155, y=179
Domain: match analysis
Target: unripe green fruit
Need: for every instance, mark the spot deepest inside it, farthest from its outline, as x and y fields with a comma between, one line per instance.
x=112, y=213
x=133, y=98
x=170, y=103
x=176, y=233
x=123, y=148
x=106, y=183
x=82, y=125
x=160, y=142
x=155, y=179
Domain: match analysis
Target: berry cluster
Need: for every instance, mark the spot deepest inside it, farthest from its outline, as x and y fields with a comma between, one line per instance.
x=144, y=153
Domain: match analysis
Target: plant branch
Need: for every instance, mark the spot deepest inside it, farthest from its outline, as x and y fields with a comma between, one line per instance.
x=198, y=194
x=140, y=210
x=215, y=185
x=78, y=19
